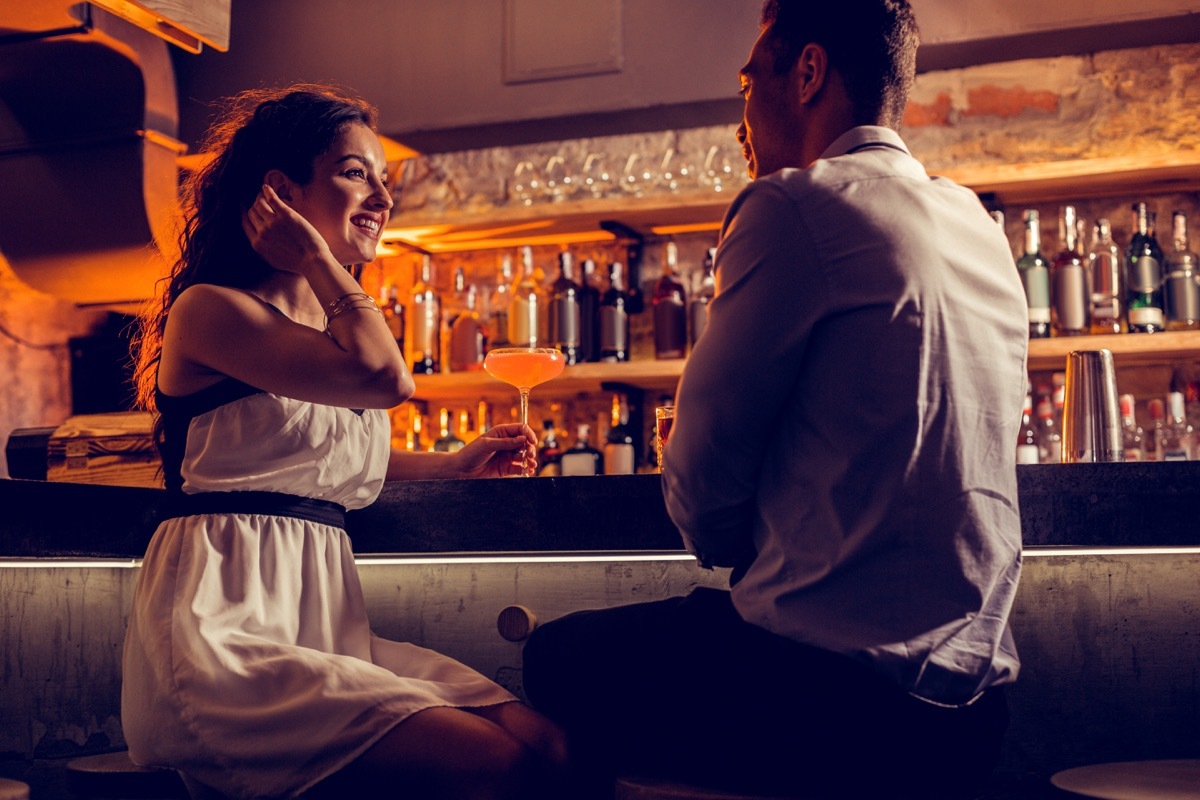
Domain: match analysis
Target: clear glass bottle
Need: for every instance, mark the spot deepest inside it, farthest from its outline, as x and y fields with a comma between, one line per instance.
x=448, y=441
x=1049, y=433
x=589, y=313
x=1035, y=277
x=1028, y=449
x=564, y=310
x=701, y=297
x=614, y=317
x=1144, y=306
x=468, y=337
x=1132, y=435
x=1070, y=284
x=619, y=450
x=582, y=458
x=1158, y=418
x=424, y=322
x=1182, y=288
x=527, y=312
x=1176, y=439
x=1106, y=266
x=498, y=303
x=670, y=309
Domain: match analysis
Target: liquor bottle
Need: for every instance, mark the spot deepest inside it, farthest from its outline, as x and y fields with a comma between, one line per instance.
x=527, y=307
x=1035, y=277
x=1158, y=418
x=1106, y=266
x=458, y=297
x=498, y=303
x=483, y=417
x=1049, y=433
x=701, y=297
x=447, y=442
x=549, y=452
x=1132, y=435
x=465, y=432
x=589, y=313
x=564, y=310
x=1144, y=256
x=670, y=312
x=582, y=458
x=614, y=318
x=619, y=451
x=468, y=337
x=393, y=313
x=1028, y=450
x=1070, y=289
x=414, y=442
x=424, y=319
x=1176, y=439
x=1182, y=289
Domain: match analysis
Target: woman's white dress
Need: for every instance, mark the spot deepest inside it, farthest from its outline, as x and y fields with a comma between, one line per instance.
x=249, y=662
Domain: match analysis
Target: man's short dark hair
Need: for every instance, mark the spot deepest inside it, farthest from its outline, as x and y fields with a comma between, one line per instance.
x=871, y=43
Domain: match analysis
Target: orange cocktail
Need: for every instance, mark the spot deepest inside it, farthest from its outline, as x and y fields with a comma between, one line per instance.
x=524, y=368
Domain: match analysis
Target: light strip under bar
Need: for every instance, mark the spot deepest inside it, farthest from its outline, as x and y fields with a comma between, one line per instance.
x=528, y=558
x=572, y=558
x=1046, y=552
x=69, y=563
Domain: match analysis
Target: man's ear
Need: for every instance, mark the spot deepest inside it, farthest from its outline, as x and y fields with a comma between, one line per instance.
x=280, y=183
x=810, y=72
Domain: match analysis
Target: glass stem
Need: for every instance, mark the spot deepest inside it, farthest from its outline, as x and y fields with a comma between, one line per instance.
x=524, y=406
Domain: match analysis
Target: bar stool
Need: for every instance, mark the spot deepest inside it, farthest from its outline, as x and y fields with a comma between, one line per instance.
x=654, y=789
x=114, y=775
x=13, y=790
x=1133, y=780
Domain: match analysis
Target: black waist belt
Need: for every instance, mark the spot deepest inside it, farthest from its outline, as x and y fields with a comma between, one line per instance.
x=275, y=504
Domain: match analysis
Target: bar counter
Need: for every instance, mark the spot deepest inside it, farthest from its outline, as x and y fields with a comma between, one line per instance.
x=1068, y=505
x=1105, y=617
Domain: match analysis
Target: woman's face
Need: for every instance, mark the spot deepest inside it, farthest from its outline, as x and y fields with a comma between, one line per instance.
x=348, y=201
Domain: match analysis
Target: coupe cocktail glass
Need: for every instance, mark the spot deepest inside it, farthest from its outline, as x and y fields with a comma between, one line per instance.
x=524, y=368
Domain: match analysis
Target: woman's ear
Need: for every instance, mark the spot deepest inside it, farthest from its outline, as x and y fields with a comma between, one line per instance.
x=280, y=183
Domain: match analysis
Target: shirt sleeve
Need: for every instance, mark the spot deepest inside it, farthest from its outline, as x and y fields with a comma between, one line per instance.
x=741, y=373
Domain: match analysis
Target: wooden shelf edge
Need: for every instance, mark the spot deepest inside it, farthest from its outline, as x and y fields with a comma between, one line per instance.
x=1128, y=349
x=1086, y=177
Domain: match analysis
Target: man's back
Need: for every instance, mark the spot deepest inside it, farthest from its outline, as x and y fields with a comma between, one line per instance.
x=871, y=445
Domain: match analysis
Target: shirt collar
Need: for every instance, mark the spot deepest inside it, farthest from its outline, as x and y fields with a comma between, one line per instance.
x=865, y=136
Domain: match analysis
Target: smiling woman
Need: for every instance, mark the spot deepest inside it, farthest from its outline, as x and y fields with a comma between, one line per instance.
x=249, y=664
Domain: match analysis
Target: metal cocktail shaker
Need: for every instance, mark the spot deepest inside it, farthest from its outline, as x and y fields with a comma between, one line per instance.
x=1091, y=409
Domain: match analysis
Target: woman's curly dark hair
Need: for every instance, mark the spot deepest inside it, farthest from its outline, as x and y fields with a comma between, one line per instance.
x=257, y=131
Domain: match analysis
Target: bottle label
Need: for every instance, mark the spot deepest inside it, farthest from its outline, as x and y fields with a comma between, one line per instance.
x=614, y=329
x=1145, y=275
x=1147, y=315
x=523, y=320
x=1036, y=281
x=577, y=464
x=1040, y=315
x=426, y=328
x=1071, y=297
x=564, y=322
x=618, y=459
x=1028, y=454
x=1183, y=297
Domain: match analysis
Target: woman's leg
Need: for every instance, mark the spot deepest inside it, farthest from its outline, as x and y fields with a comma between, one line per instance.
x=442, y=753
x=535, y=730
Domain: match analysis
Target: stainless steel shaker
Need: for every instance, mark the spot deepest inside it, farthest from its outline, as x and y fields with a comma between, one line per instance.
x=1091, y=409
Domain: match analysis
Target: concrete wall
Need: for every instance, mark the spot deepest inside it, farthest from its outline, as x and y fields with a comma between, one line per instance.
x=1108, y=642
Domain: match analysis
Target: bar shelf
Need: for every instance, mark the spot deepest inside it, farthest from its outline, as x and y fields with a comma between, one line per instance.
x=1128, y=349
